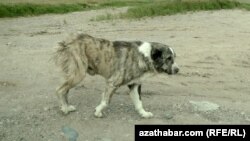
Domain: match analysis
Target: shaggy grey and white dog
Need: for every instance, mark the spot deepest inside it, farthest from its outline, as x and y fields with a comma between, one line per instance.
x=119, y=62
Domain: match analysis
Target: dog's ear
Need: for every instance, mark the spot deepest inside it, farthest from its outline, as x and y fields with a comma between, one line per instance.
x=156, y=54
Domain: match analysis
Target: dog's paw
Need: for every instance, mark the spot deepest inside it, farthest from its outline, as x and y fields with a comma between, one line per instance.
x=147, y=114
x=67, y=109
x=98, y=114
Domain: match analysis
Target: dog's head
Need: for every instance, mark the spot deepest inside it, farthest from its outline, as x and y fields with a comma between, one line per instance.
x=164, y=59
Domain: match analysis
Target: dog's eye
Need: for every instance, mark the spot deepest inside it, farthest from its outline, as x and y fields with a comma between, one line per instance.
x=169, y=58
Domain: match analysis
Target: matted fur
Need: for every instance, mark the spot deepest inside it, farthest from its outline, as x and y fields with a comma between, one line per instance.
x=119, y=62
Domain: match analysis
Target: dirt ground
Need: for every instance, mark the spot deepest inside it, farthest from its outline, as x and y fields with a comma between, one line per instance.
x=213, y=51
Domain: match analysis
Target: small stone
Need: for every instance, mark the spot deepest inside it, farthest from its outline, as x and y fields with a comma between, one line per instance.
x=248, y=119
x=204, y=106
x=168, y=116
x=70, y=133
x=46, y=108
x=9, y=43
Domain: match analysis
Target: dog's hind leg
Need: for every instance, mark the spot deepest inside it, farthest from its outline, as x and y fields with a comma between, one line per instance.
x=106, y=96
x=76, y=71
x=135, y=91
x=62, y=93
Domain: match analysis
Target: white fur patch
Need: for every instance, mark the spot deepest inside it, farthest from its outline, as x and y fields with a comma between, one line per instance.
x=172, y=51
x=145, y=49
x=99, y=108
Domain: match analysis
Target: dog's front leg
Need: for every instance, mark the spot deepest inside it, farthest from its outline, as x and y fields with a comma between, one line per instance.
x=106, y=96
x=135, y=90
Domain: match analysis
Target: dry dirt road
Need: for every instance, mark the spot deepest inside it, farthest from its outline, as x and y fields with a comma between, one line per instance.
x=213, y=51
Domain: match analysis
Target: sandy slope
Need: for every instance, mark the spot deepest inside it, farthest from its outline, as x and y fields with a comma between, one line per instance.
x=213, y=50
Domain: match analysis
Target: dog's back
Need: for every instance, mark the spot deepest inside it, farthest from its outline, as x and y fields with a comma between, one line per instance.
x=84, y=53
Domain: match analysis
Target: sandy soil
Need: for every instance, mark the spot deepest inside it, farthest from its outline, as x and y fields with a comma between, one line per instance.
x=213, y=51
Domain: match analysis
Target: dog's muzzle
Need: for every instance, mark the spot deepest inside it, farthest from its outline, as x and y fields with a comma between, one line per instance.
x=175, y=69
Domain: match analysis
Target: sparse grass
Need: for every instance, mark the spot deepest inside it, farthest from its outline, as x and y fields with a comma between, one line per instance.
x=26, y=9
x=35, y=8
x=71, y=1
x=123, y=3
x=170, y=8
x=45, y=1
x=141, y=8
x=107, y=16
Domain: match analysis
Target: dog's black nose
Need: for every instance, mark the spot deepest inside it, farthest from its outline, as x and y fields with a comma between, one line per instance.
x=176, y=70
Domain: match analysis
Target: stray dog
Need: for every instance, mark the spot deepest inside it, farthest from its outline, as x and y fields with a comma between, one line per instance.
x=119, y=62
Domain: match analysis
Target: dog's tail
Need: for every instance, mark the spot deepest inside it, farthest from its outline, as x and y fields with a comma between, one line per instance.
x=71, y=58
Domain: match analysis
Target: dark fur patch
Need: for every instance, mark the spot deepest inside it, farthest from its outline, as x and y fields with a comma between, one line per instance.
x=126, y=44
x=139, y=91
x=103, y=43
x=156, y=55
x=138, y=43
x=82, y=36
x=131, y=86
